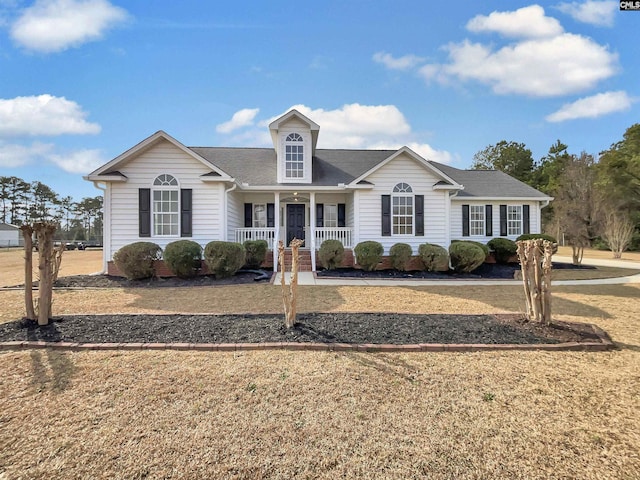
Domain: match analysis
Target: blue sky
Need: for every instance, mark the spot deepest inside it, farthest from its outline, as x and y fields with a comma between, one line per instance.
x=81, y=81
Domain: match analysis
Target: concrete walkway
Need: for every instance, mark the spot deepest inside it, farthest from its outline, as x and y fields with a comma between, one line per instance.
x=308, y=278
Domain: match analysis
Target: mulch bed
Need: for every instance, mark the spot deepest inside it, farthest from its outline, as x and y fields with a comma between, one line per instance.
x=486, y=271
x=356, y=328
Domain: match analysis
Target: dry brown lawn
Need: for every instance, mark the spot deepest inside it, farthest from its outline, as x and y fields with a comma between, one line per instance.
x=74, y=262
x=601, y=254
x=280, y=414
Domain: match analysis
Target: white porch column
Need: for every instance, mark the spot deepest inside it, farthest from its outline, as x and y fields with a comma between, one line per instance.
x=276, y=224
x=312, y=229
x=355, y=232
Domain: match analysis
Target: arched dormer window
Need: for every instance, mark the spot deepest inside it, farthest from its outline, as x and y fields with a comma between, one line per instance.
x=402, y=211
x=294, y=156
x=166, y=207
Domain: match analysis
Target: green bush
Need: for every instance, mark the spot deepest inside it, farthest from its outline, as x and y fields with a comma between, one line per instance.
x=331, y=254
x=224, y=259
x=434, y=257
x=400, y=254
x=183, y=258
x=534, y=236
x=466, y=256
x=369, y=254
x=135, y=260
x=503, y=249
x=484, y=247
x=255, y=251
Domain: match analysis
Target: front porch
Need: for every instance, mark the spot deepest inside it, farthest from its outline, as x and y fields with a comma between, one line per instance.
x=282, y=216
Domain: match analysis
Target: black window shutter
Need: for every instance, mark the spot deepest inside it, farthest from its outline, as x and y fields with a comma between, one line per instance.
x=185, y=212
x=503, y=220
x=271, y=215
x=488, y=220
x=386, y=215
x=526, y=226
x=465, y=220
x=419, y=200
x=248, y=215
x=319, y=214
x=144, y=212
x=342, y=215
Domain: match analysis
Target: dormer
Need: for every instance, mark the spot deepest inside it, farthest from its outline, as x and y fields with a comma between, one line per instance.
x=294, y=139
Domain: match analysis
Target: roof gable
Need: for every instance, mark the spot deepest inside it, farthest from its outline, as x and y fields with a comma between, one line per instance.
x=418, y=159
x=109, y=170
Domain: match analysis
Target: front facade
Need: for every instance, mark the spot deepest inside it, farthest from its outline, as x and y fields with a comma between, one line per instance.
x=161, y=191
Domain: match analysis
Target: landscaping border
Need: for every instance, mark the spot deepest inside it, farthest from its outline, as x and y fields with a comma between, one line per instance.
x=604, y=344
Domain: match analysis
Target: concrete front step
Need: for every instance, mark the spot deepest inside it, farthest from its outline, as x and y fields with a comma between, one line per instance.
x=304, y=261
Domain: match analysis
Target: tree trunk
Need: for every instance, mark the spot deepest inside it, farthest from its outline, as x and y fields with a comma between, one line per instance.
x=44, y=233
x=27, y=235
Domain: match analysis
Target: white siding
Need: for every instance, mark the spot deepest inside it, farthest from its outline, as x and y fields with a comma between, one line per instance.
x=141, y=172
x=456, y=218
x=235, y=214
x=402, y=169
x=10, y=238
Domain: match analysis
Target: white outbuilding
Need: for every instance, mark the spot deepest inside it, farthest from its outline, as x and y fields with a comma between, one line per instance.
x=10, y=235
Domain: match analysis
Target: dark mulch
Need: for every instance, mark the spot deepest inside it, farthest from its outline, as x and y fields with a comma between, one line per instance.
x=485, y=271
x=389, y=328
x=108, y=281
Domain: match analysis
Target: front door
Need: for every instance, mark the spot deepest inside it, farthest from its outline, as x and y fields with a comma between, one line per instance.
x=295, y=222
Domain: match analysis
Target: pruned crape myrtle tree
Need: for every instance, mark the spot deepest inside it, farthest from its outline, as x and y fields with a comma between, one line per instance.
x=535, y=262
x=289, y=296
x=49, y=262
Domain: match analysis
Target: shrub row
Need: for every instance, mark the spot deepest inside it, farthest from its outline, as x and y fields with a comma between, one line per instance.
x=184, y=258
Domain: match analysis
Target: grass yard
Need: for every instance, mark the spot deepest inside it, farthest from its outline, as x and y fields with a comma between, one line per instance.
x=281, y=414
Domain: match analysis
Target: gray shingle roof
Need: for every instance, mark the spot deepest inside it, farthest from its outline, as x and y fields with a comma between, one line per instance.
x=488, y=183
x=8, y=227
x=257, y=166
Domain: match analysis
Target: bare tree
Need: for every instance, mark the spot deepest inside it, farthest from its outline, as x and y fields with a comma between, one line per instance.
x=617, y=230
x=289, y=297
x=535, y=262
x=574, y=204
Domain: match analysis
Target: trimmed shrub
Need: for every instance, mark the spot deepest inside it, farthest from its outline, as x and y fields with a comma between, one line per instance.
x=183, y=258
x=503, y=249
x=434, y=257
x=224, y=259
x=255, y=251
x=400, y=254
x=466, y=256
x=533, y=236
x=331, y=254
x=135, y=260
x=484, y=247
x=369, y=254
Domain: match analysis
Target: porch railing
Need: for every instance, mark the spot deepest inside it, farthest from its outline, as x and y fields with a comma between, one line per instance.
x=342, y=234
x=268, y=234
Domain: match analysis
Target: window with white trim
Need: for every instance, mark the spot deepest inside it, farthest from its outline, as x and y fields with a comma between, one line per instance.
x=514, y=220
x=166, y=214
x=476, y=220
x=294, y=156
x=331, y=215
x=259, y=215
x=402, y=209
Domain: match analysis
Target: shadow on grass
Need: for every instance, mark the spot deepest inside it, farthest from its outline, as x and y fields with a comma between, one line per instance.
x=61, y=367
x=626, y=346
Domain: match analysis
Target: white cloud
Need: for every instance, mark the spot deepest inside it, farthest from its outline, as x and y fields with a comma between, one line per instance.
x=14, y=155
x=593, y=107
x=242, y=118
x=601, y=14
x=43, y=115
x=401, y=63
x=80, y=161
x=526, y=22
x=354, y=126
x=559, y=65
x=56, y=25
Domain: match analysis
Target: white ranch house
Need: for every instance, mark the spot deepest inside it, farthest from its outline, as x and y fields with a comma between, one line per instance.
x=161, y=190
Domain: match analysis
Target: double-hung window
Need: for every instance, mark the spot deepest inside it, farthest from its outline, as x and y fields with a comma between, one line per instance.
x=476, y=220
x=330, y=215
x=514, y=220
x=294, y=156
x=259, y=215
x=402, y=209
x=166, y=213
